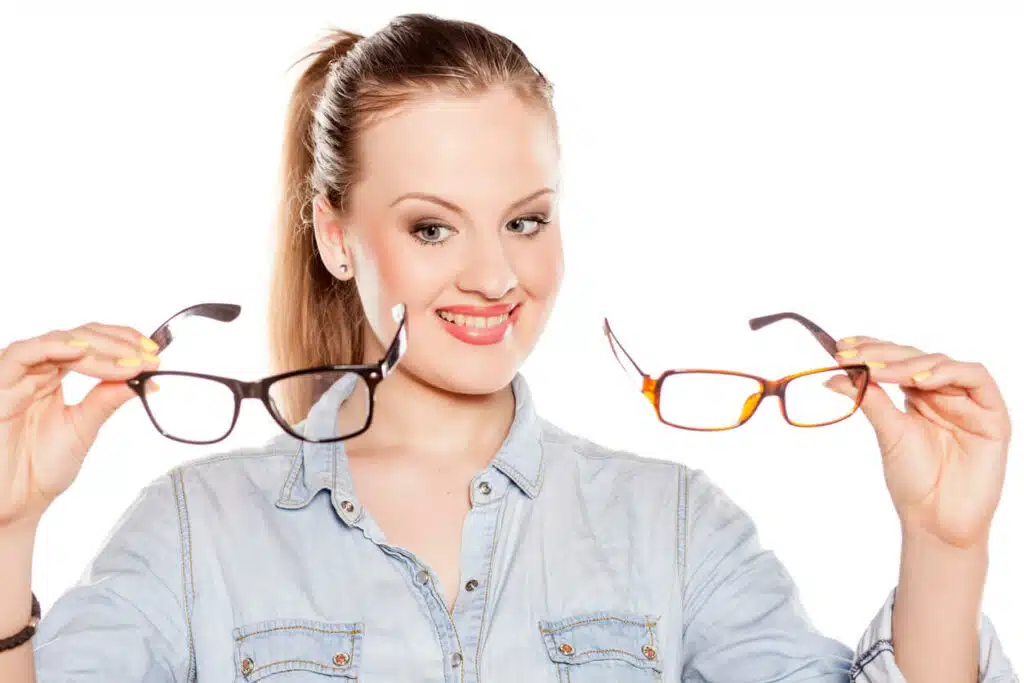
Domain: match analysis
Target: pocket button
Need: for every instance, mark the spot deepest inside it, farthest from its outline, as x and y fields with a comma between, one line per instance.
x=247, y=666
x=341, y=659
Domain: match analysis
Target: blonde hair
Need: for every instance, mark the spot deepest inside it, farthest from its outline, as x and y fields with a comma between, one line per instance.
x=314, y=318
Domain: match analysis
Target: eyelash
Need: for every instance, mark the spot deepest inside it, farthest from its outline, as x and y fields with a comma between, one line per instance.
x=542, y=223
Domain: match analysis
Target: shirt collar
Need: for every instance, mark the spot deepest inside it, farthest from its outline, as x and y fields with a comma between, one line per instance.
x=319, y=466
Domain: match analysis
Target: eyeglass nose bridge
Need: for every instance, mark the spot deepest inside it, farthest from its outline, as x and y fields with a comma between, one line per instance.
x=249, y=389
x=768, y=388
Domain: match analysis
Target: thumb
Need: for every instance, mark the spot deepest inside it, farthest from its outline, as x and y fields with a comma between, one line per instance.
x=876, y=405
x=89, y=414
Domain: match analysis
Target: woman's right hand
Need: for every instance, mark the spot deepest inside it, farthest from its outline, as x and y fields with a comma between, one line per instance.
x=42, y=440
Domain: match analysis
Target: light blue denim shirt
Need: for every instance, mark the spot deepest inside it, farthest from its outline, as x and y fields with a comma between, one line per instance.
x=579, y=564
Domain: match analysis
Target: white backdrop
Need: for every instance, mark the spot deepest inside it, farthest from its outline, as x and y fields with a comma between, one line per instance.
x=863, y=169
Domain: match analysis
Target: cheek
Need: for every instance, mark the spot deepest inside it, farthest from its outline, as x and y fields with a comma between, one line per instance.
x=540, y=266
x=404, y=272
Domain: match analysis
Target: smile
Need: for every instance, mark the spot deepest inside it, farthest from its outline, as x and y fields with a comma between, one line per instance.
x=474, y=321
x=479, y=325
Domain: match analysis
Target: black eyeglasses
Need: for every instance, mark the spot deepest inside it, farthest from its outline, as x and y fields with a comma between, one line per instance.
x=197, y=408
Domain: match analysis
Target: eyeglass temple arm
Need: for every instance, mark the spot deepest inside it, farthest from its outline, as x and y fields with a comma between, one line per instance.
x=225, y=313
x=398, y=345
x=638, y=375
x=823, y=337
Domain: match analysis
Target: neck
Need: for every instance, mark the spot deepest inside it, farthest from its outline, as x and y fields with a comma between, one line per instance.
x=412, y=419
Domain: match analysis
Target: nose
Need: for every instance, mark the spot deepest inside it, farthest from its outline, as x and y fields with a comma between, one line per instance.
x=488, y=271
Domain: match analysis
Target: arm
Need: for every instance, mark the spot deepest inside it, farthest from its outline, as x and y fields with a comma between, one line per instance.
x=16, y=599
x=744, y=620
x=125, y=620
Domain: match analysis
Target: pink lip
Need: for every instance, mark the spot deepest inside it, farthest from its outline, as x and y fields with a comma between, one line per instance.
x=481, y=336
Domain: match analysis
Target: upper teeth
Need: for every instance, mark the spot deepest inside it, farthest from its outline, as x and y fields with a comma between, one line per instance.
x=473, y=320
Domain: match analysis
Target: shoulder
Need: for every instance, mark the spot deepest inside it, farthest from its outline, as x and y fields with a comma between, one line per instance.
x=561, y=443
x=249, y=474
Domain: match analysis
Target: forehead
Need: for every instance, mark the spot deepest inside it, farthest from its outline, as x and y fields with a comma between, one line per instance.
x=493, y=143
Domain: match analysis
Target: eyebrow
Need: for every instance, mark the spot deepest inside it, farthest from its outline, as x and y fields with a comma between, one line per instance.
x=455, y=207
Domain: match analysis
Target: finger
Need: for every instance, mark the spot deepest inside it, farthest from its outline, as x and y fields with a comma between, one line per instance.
x=130, y=335
x=959, y=412
x=16, y=399
x=894, y=364
x=108, y=340
x=90, y=414
x=973, y=378
x=105, y=358
x=876, y=351
x=21, y=356
x=110, y=358
x=876, y=404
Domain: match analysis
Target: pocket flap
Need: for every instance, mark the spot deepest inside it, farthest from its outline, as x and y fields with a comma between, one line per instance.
x=268, y=647
x=601, y=636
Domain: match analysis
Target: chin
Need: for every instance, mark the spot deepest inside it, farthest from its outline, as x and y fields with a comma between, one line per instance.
x=470, y=378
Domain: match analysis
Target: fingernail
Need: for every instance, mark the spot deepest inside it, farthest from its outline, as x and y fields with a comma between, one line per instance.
x=875, y=364
x=922, y=376
x=847, y=340
x=153, y=386
x=849, y=353
x=80, y=343
x=148, y=344
x=150, y=358
x=129, y=362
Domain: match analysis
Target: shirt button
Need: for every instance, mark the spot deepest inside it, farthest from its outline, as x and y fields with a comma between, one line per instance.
x=341, y=659
x=347, y=506
x=422, y=577
x=472, y=585
x=649, y=652
x=456, y=659
x=246, y=666
x=485, y=488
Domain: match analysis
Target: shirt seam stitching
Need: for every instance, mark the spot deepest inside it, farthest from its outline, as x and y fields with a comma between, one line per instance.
x=187, y=573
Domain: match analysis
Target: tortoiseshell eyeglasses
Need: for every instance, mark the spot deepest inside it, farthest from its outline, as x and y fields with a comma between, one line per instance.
x=717, y=400
x=196, y=408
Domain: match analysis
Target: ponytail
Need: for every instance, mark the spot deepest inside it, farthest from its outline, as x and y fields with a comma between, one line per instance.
x=306, y=301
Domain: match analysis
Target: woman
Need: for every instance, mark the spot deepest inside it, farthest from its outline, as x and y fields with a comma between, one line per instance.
x=462, y=537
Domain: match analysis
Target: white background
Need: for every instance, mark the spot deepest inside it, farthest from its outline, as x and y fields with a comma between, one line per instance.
x=862, y=168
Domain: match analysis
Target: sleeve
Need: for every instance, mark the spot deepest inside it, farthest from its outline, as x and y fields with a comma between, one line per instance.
x=125, y=620
x=743, y=619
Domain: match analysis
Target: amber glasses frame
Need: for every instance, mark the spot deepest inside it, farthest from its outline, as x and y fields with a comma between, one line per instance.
x=371, y=373
x=650, y=386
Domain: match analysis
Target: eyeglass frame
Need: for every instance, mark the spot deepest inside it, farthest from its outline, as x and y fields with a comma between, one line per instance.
x=371, y=373
x=651, y=386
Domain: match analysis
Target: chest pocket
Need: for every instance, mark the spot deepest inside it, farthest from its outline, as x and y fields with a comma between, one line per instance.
x=297, y=651
x=604, y=647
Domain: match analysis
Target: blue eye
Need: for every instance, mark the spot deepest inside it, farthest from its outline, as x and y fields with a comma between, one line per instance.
x=528, y=225
x=432, y=233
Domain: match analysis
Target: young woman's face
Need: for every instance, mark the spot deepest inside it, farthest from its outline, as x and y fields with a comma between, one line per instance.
x=456, y=216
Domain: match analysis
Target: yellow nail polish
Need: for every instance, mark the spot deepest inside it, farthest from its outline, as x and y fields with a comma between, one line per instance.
x=148, y=344
x=129, y=362
x=849, y=353
x=875, y=364
x=922, y=376
x=150, y=358
x=847, y=340
x=80, y=343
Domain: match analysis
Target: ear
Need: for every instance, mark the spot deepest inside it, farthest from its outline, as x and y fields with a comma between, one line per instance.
x=328, y=228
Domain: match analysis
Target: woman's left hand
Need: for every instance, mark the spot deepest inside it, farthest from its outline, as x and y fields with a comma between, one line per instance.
x=944, y=458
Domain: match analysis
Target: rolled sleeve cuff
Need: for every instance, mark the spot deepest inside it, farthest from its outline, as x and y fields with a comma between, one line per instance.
x=874, y=660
